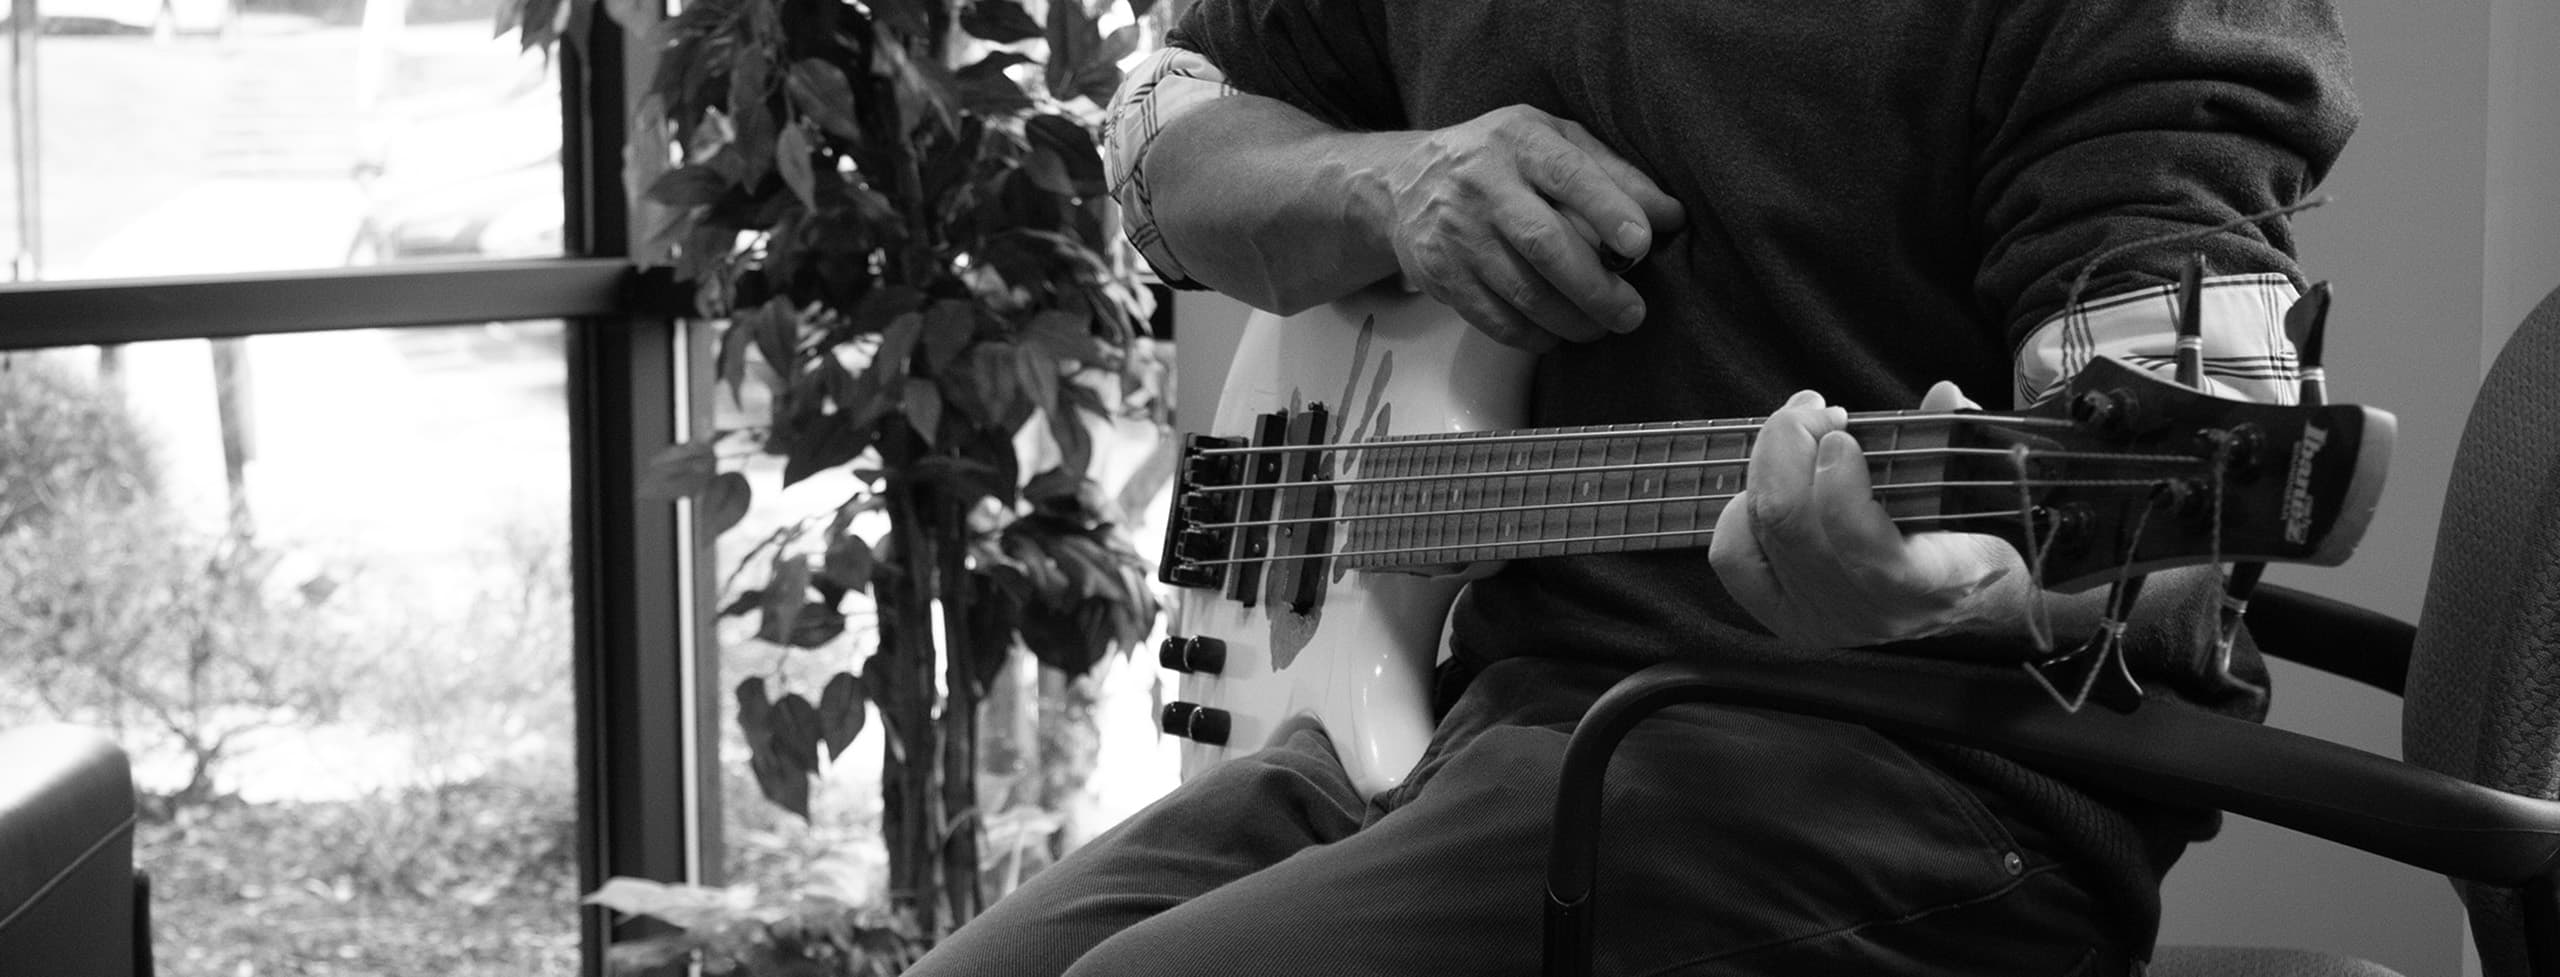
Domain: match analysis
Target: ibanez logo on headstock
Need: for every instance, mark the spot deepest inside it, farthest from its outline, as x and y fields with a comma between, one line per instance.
x=2297, y=490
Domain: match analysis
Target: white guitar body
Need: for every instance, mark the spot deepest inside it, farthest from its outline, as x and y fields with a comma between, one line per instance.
x=1358, y=662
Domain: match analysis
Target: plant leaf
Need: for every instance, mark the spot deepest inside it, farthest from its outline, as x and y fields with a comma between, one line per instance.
x=791, y=156
x=1045, y=170
x=692, y=908
x=840, y=712
x=786, y=786
x=839, y=440
x=924, y=89
x=733, y=358
x=678, y=471
x=948, y=326
x=924, y=408
x=898, y=344
x=784, y=595
x=774, y=327
x=724, y=502
x=648, y=953
x=1073, y=41
x=1099, y=78
x=689, y=186
x=1063, y=334
x=817, y=623
x=1066, y=425
x=848, y=563
x=1074, y=148
x=986, y=88
x=796, y=730
x=821, y=92
x=1001, y=21
x=907, y=17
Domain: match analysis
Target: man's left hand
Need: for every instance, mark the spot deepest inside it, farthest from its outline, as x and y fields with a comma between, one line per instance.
x=1808, y=550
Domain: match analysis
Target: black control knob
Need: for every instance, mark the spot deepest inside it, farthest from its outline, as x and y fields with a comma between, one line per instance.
x=1197, y=723
x=1193, y=656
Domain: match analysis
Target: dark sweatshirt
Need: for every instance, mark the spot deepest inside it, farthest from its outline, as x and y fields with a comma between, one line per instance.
x=1881, y=194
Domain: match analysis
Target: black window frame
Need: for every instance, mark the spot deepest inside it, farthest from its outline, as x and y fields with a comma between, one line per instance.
x=646, y=718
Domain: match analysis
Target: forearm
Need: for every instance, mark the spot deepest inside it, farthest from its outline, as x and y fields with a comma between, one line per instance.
x=1272, y=206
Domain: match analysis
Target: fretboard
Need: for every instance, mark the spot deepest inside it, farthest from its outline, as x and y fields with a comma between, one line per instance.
x=1503, y=495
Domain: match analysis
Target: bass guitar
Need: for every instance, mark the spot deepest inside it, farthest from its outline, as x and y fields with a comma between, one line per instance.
x=1366, y=459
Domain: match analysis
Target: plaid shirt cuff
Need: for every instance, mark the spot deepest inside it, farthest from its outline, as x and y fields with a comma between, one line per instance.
x=2246, y=353
x=1170, y=83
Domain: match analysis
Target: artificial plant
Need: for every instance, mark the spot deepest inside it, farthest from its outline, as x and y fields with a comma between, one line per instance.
x=899, y=208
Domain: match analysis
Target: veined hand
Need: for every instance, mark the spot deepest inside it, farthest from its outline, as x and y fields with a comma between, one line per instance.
x=1815, y=558
x=1513, y=218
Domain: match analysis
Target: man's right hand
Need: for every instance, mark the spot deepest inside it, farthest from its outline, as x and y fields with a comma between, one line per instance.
x=1513, y=218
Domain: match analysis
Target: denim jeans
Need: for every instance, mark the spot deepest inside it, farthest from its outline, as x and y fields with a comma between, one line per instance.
x=1736, y=842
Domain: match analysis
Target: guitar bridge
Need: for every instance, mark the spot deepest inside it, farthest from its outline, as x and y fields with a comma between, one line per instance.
x=1239, y=506
x=1199, y=533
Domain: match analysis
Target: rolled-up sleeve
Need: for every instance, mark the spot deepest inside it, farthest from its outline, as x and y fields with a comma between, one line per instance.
x=1326, y=57
x=2106, y=122
x=1171, y=83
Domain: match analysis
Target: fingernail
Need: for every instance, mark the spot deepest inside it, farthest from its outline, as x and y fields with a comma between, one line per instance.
x=1631, y=240
x=1629, y=318
x=1830, y=452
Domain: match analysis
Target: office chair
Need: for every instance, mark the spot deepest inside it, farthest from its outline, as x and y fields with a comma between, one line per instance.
x=71, y=903
x=2481, y=669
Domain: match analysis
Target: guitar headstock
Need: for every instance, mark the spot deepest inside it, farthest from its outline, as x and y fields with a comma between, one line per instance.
x=2127, y=472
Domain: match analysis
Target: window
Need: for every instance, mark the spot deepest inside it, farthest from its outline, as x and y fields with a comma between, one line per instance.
x=317, y=586
x=323, y=322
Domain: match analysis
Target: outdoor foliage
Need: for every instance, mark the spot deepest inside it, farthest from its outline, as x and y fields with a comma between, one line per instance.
x=899, y=207
x=806, y=933
x=206, y=647
x=474, y=879
x=112, y=611
x=63, y=447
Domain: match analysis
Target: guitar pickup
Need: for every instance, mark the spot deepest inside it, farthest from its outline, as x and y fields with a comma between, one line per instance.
x=1303, y=512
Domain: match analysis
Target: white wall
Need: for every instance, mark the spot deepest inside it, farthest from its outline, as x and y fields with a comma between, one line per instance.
x=2446, y=231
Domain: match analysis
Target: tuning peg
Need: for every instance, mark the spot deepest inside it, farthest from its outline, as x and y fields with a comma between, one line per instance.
x=2191, y=322
x=2308, y=323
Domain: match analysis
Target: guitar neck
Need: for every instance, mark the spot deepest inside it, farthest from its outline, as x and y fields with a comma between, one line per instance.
x=1451, y=499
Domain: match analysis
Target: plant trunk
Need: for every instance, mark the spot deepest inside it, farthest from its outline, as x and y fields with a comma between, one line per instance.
x=902, y=675
x=962, y=818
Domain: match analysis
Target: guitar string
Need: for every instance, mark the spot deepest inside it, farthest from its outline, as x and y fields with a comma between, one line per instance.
x=1743, y=426
x=1453, y=548
x=2039, y=616
x=1428, y=514
x=1702, y=463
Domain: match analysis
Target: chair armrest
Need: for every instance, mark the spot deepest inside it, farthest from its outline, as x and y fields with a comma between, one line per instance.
x=2162, y=750
x=2333, y=636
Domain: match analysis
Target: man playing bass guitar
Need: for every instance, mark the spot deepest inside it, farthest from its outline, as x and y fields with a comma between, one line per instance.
x=1714, y=209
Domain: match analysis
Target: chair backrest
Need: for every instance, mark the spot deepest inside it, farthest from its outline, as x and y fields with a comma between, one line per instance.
x=2483, y=701
x=68, y=897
